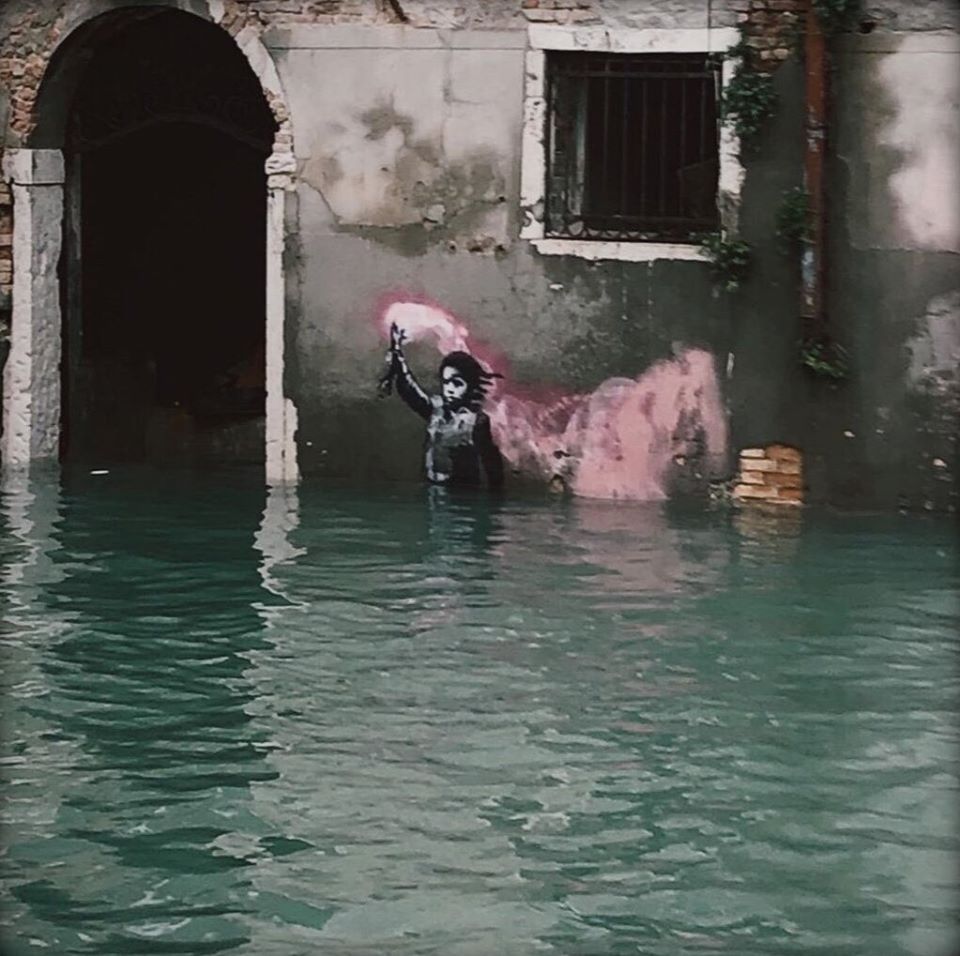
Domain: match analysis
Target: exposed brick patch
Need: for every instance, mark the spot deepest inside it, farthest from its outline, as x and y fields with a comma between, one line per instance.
x=772, y=29
x=25, y=47
x=24, y=51
x=309, y=11
x=562, y=11
x=772, y=475
x=33, y=32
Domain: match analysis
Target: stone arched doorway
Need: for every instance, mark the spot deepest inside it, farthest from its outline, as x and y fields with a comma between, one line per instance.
x=164, y=345
x=149, y=210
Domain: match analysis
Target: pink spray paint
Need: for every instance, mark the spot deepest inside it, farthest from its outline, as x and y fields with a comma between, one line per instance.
x=618, y=441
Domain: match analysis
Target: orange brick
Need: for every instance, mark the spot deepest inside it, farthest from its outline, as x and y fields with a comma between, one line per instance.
x=783, y=453
x=757, y=465
x=779, y=480
x=754, y=491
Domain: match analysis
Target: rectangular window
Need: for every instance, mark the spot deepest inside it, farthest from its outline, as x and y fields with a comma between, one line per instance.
x=632, y=150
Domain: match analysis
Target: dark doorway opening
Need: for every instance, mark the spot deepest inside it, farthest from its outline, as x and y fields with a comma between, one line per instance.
x=166, y=210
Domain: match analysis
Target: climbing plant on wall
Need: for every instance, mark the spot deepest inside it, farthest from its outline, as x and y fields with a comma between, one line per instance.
x=749, y=99
x=747, y=102
x=824, y=358
x=793, y=218
x=729, y=258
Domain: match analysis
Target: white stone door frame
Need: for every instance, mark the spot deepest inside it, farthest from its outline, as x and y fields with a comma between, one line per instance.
x=281, y=424
x=32, y=375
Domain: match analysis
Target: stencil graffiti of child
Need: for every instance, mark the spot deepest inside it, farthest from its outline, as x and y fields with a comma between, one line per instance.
x=460, y=449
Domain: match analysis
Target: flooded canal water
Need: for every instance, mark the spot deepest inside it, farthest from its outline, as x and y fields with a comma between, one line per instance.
x=394, y=722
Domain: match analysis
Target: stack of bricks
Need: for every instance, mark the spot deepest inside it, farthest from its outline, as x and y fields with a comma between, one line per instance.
x=24, y=51
x=303, y=11
x=771, y=475
x=773, y=29
x=34, y=31
x=560, y=11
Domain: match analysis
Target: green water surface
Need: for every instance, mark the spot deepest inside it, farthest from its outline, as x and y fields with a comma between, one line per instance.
x=388, y=721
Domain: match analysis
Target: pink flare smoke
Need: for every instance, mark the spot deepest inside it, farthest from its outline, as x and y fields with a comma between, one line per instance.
x=621, y=439
x=618, y=441
x=424, y=322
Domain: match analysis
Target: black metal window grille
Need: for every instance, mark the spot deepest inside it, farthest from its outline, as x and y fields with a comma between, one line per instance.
x=632, y=146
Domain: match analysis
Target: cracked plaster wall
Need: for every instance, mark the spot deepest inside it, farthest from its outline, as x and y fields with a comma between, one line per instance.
x=385, y=150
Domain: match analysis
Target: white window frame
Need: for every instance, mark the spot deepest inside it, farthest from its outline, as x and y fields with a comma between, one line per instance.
x=542, y=38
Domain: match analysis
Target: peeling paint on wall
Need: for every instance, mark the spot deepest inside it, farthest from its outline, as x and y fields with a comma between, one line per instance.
x=621, y=440
x=378, y=172
x=935, y=350
x=368, y=171
x=933, y=377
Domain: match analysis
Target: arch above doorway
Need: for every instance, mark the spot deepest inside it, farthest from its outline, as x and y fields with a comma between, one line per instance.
x=32, y=392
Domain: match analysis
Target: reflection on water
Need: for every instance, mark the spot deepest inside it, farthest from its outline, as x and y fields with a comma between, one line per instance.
x=315, y=720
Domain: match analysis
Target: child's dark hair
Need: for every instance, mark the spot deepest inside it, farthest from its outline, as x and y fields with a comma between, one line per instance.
x=478, y=378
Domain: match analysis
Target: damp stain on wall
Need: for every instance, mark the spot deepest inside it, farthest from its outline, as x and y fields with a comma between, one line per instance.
x=923, y=85
x=384, y=179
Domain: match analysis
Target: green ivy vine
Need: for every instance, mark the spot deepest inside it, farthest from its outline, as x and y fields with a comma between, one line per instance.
x=793, y=218
x=729, y=258
x=824, y=358
x=747, y=102
x=749, y=99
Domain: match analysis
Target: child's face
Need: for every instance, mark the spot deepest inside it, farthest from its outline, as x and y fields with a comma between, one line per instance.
x=453, y=385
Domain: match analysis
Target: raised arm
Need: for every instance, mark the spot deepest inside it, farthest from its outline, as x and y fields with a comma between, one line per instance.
x=408, y=388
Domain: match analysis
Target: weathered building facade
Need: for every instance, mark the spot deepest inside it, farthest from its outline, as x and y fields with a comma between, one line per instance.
x=214, y=209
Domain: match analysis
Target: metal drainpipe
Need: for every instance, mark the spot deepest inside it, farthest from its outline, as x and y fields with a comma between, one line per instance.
x=814, y=271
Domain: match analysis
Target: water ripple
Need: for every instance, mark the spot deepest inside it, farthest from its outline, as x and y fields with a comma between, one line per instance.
x=403, y=722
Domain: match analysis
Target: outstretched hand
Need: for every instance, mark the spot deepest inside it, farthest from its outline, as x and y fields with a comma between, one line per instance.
x=397, y=337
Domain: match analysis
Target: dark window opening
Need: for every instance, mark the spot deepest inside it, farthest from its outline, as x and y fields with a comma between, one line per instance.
x=632, y=150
